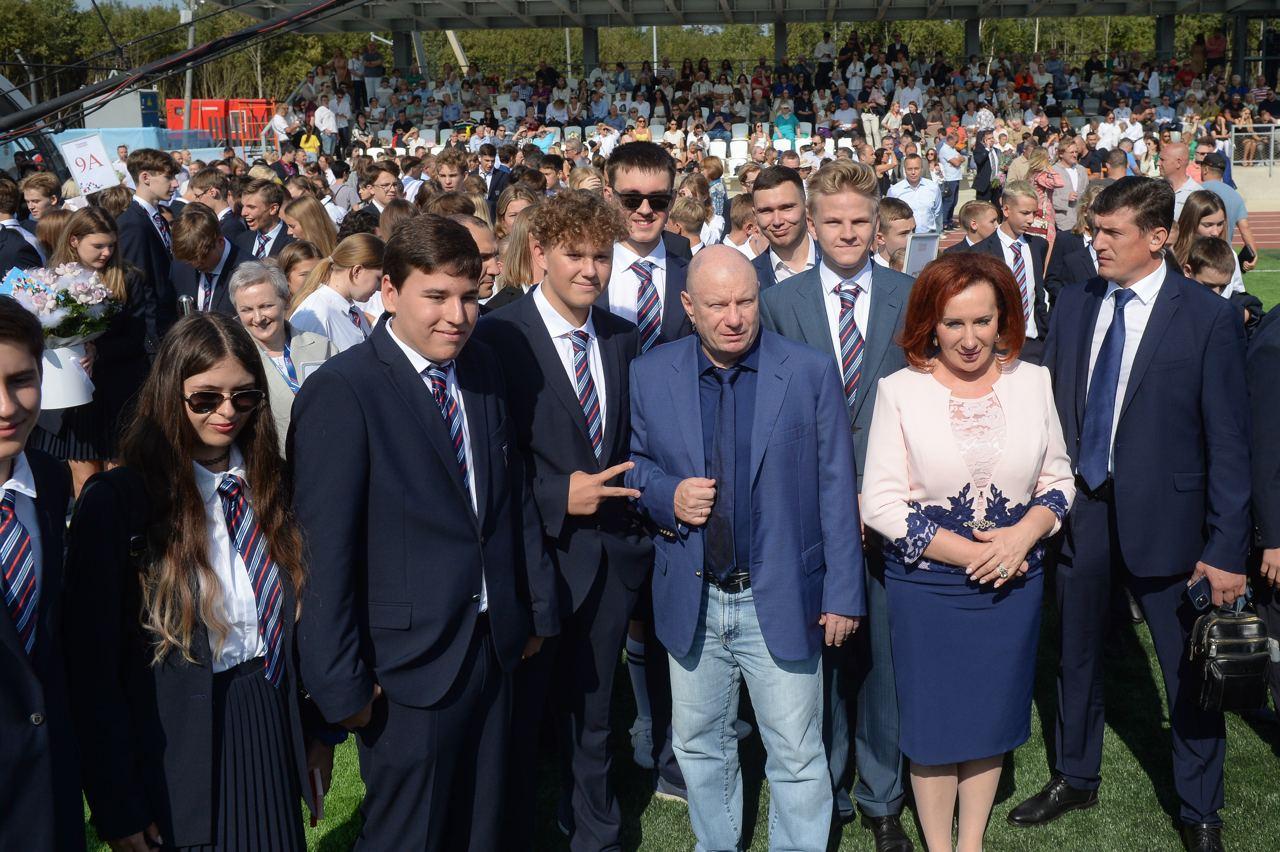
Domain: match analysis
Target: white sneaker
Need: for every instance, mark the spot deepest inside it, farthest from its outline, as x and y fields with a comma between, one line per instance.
x=642, y=743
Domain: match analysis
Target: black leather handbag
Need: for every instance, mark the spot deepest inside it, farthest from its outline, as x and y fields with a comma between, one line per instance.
x=1230, y=653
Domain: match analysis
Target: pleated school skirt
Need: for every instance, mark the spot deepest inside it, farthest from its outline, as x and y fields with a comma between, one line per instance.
x=258, y=805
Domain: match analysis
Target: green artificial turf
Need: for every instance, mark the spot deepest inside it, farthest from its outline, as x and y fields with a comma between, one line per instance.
x=1137, y=806
x=1264, y=282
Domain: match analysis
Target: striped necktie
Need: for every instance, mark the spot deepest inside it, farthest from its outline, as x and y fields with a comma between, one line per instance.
x=586, y=386
x=1020, y=275
x=206, y=291
x=18, y=580
x=246, y=533
x=648, y=308
x=260, y=250
x=354, y=313
x=438, y=378
x=163, y=227
x=851, y=343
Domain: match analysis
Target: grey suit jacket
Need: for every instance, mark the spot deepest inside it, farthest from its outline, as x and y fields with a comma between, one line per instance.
x=308, y=351
x=795, y=309
x=1064, y=210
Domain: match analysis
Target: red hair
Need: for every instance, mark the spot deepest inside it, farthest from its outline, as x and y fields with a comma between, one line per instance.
x=944, y=279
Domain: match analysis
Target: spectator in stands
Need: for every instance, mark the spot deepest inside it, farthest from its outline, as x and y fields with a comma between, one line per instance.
x=951, y=161
x=260, y=206
x=921, y=194
x=1075, y=178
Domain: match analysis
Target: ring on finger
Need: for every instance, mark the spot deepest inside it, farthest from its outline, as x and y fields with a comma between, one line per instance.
x=1002, y=571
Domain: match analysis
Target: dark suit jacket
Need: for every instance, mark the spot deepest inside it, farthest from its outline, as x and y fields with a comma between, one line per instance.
x=16, y=252
x=982, y=160
x=232, y=225
x=806, y=555
x=1181, y=464
x=551, y=432
x=40, y=784
x=186, y=281
x=1069, y=264
x=154, y=303
x=1263, y=374
x=503, y=297
x=675, y=322
x=678, y=246
x=145, y=732
x=501, y=180
x=963, y=245
x=396, y=552
x=764, y=266
x=1039, y=254
x=246, y=241
x=795, y=309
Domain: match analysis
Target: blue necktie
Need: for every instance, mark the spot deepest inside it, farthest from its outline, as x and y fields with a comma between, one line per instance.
x=851, y=344
x=648, y=308
x=586, y=387
x=1100, y=403
x=18, y=573
x=264, y=574
x=718, y=552
x=438, y=378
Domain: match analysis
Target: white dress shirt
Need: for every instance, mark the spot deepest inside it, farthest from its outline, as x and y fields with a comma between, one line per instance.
x=152, y=210
x=747, y=251
x=23, y=485
x=781, y=272
x=831, y=301
x=561, y=330
x=239, y=607
x=272, y=236
x=624, y=290
x=420, y=363
x=1136, y=315
x=1007, y=248
x=326, y=312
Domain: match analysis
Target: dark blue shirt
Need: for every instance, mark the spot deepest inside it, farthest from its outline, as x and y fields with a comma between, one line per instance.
x=744, y=402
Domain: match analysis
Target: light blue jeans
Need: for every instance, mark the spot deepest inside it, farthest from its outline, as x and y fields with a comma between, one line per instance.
x=787, y=697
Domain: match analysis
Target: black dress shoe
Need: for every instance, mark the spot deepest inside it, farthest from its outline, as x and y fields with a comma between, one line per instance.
x=1053, y=801
x=1202, y=837
x=888, y=833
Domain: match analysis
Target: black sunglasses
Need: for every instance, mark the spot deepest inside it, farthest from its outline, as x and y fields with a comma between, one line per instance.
x=243, y=401
x=658, y=201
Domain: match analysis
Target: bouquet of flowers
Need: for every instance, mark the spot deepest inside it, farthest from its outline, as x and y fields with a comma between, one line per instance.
x=74, y=307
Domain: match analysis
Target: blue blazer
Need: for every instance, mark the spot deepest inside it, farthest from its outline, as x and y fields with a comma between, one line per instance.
x=806, y=552
x=1182, y=444
x=396, y=552
x=154, y=304
x=795, y=309
x=675, y=322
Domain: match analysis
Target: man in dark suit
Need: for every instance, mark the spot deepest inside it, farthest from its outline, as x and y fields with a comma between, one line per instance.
x=645, y=284
x=566, y=364
x=203, y=260
x=212, y=188
x=428, y=582
x=40, y=784
x=852, y=309
x=260, y=208
x=759, y=563
x=385, y=186
x=1149, y=379
x=146, y=241
x=496, y=178
x=984, y=165
x=778, y=196
x=18, y=247
x=1263, y=375
x=979, y=220
x=1068, y=266
x=1026, y=256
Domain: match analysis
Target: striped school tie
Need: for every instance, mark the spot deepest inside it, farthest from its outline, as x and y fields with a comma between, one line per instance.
x=260, y=250
x=1020, y=275
x=354, y=313
x=851, y=343
x=648, y=308
x=264, y=574
x=162, y=225
x=439, y=380
x=587, y=396
x=206, y=292
x=18, y=580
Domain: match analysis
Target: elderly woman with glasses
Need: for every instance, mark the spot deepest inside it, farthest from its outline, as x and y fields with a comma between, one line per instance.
x=260, y=295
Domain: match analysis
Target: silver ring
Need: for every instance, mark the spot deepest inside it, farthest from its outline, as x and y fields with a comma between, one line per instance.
x=1002, y=571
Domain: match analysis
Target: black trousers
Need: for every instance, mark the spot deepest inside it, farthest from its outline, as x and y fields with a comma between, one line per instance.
x=1266, y=600
x=1084, y=594
x=572, y=679
x=434, y=775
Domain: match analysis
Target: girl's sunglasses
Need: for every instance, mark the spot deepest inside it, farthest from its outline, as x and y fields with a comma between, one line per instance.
x=244, y=401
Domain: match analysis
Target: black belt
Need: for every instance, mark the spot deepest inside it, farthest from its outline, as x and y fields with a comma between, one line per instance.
x=737, y=582
x=1106, y=492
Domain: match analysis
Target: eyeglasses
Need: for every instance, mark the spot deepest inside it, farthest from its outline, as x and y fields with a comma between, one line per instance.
x=658, y=201
x=243, y=401
x=386, y=186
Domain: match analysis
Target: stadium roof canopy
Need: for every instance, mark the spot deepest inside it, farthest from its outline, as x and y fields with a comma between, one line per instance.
x=431, y=15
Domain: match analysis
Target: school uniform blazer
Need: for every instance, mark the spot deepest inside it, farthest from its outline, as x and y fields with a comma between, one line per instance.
x=1181, y=454
x=308, y=351
x=16, y=252
x=154, y=303
x=231, y=225
x=40, y=781
x=186, y=281
x=145, y=730
x=1039, y=254
x=675, y=322
x=551, y=431
x=806, y=554
x=396, y=552
x=1263, y=372
x=246, y=240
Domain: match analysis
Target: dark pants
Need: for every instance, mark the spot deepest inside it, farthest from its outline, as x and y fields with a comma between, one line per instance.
x=950, y=193
x=574, y=674
x=1266, y=600
x=433, y=775
x=1090, y=559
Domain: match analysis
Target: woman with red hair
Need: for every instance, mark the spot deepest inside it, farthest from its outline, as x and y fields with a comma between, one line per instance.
x=966, y=475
